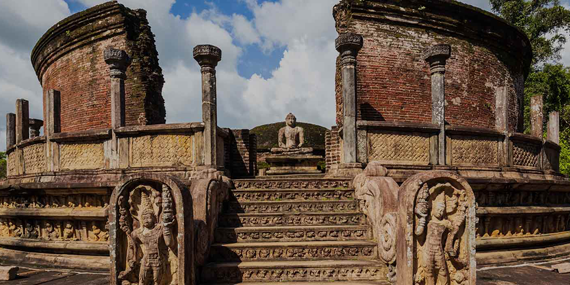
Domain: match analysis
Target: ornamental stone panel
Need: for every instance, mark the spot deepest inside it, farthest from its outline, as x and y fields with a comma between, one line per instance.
x=34, y=158
x=474, y=150
x=76, y=156
x=162, y=150
x=398, y=147
x=526, y=154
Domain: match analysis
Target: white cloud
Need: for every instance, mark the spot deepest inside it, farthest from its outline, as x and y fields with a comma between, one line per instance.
x=23, y=22
x=243, y=30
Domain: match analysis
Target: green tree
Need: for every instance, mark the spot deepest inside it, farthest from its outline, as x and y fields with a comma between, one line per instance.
x=2, y=165
x=545, y=23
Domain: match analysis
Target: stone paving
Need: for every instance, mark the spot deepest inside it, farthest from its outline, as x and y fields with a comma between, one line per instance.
x=523, y=275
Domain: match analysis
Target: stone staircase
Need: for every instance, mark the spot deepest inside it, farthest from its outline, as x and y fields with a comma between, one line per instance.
x=293, y=231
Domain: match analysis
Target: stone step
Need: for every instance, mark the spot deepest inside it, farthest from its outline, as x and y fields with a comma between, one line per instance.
x=321, y=271
x=311, y=250
x=293, y=183
x=257, y=195
x=291, y=206
x=290, y=219
x=292, y=233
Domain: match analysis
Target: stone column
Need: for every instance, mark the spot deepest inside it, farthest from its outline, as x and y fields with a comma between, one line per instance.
x=502, y=121
x=10, y=130
x=53, y=111
x=22, y=120
x=553, y=132
x=436, y=56
x=52, y=126
x=348, y=45
x=208, y=57
x=118, y=61
x=536, y=116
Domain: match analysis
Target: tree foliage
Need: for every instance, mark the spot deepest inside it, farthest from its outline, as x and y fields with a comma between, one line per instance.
x=2, y=165
x=543, y=21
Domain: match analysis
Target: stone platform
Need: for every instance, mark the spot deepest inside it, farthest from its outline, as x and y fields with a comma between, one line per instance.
x=293, y=164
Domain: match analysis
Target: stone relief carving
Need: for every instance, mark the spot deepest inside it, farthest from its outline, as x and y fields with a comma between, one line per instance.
x=497, y=226
x=436, y=220
x=378, y=196
x=151, y=231
x=147, y=218
x=441, y=212
x=54, y=201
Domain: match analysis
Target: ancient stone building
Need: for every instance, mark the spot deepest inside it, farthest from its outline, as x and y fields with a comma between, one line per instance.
x=428, y=173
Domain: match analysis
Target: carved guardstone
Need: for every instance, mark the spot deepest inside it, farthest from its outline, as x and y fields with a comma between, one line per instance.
x=436, y=230
x=291, y=157
x=151, y=232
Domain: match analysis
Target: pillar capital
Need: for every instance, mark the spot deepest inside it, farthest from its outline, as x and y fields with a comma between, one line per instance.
x=437, y=56
x=207, y=56
x=118, y=61
x=348, y=45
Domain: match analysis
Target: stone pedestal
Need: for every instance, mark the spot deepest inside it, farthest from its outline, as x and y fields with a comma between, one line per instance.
x=293, y=164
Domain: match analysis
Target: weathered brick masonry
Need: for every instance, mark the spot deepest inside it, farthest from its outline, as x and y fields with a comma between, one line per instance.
x=243, y=153
x=393, y=80
x=69, y=58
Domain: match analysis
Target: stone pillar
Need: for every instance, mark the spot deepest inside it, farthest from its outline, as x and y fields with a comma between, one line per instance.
x=22, y=120
x=348, y=45
x=536, y=116
x=118, y=61
x=208, y=57
x=10, y=130
x=553, y=132
x=502, y=122
x=436, y=56
x=53, y=111
x=35, y=126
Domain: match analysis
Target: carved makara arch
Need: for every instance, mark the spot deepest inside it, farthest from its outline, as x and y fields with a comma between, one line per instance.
x=151, y=231
x=436, y=230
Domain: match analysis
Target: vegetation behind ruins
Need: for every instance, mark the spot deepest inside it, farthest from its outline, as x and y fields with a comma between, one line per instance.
x=2, y=165
x=544, y=22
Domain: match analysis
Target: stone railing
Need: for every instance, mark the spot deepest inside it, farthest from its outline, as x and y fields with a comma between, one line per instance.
x=393, y=143
x=171, y=145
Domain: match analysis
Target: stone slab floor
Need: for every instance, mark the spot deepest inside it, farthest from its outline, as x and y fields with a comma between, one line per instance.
x=522, y=275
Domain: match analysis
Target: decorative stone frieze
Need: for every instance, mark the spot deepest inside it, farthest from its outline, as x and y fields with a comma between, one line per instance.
x=162, y=150
x=233, y=274
x=290, y=234
x=292, y=184
x=313, y=195
x=82, y=156
x=300, y=252
x=398, y=147
x=314, y=219
x=322, y=206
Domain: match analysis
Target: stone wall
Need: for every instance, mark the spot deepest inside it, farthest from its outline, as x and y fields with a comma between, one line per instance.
x=69, y=58
x=243, y=153
x=332, y=148
x=393, y=80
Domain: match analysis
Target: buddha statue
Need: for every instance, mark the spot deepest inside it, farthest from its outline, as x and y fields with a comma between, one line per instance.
x=291, y=138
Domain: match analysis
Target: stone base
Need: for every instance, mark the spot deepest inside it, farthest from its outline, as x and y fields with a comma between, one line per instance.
x=345, y=170
x=292, y=151
x=293, y=164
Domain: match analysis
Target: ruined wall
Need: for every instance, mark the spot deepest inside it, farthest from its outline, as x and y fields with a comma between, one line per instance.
x=488, y=58
x=243, y=153
x=69, y=58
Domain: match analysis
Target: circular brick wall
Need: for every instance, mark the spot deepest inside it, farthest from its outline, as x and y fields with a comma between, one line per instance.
x=489, y=59
x=69, y=58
